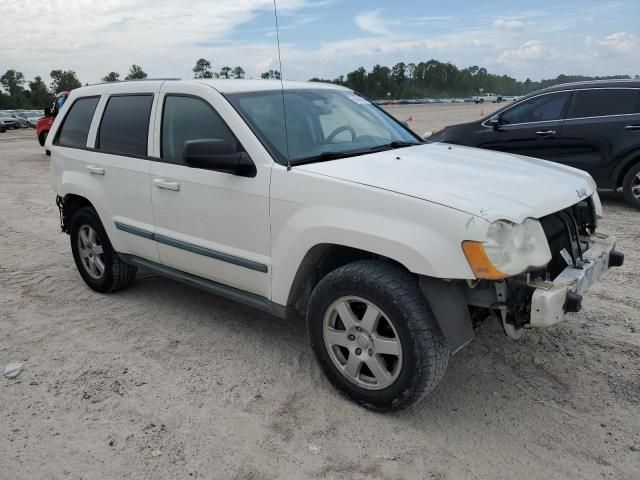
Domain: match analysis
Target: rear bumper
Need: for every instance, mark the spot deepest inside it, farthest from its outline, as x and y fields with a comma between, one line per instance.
x=552, y=300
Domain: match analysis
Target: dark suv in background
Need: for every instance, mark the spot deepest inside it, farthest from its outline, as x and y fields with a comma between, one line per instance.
x=593, y=126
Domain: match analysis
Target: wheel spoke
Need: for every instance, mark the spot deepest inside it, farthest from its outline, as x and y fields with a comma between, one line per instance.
x=378, y=370
x=370, y=319
x=99, y=265
x=386, y=346
x=347, y=316
x=92, y=235
x=353, y=366
x=336, y=337
x=97, y=250
x=84, y=237
x=92, y=266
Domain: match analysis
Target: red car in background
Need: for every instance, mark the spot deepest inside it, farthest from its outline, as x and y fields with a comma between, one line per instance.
x=44, y=124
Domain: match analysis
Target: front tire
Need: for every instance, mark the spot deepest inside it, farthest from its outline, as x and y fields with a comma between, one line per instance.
x=375, y=336
x=42, y=138
x=96, y=260
x=631, y=186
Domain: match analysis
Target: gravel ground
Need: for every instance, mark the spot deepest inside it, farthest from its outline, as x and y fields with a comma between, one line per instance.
x=165, y=381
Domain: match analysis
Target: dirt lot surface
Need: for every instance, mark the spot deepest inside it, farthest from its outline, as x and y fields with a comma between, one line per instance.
x=165, y=381
x=426, y=118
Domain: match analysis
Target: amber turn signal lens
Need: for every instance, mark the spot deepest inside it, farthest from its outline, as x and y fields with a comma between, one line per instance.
x=479, y=262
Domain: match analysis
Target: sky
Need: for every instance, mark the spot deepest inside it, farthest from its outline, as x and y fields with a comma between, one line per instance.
x=319, y=38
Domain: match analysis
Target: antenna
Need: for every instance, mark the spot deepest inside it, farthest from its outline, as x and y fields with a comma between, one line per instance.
x=284, y=107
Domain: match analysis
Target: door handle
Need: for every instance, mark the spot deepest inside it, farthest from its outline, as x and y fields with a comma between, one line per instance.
x=545, y=133
x=166, y=184
x=96, y=169
x=632, y=127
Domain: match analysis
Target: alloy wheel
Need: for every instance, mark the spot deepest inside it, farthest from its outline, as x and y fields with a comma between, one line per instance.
x=91, y=252
x=362, y=343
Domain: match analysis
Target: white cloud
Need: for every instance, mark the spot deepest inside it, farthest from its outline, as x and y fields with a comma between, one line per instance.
x=372, y=22
x=508, y=24
x=164, y=36
x=621, y=42
x=529, y=51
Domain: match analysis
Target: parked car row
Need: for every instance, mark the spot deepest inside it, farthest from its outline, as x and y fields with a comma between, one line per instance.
x=19, y=119
x=487, y=97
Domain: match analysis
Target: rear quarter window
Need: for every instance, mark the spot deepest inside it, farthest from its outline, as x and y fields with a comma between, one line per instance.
x=124, y=128
x=75, y=127
x=603, y=102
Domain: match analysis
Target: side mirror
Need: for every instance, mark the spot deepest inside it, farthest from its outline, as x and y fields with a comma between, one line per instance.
x=217, y=154
x=495, y=122
x=47, y=112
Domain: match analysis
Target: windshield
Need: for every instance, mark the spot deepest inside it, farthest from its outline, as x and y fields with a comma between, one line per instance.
x=321, y=124
x=34, y=114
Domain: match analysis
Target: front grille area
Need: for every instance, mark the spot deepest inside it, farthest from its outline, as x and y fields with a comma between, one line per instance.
x=568, y=230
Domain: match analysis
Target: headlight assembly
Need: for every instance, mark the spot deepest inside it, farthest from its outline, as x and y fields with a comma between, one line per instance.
x=509, y=249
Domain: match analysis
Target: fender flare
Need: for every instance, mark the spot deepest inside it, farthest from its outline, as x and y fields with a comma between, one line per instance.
x=449, y=305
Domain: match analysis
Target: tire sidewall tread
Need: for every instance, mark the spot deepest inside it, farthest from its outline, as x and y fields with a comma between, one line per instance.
x=118, y=274
x=626, y=186
x=397, y=293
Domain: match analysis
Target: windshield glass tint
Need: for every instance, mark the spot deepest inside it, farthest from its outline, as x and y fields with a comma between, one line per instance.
x=318, y=121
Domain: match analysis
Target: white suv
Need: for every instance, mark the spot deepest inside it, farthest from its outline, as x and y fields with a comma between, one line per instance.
x=392, y=250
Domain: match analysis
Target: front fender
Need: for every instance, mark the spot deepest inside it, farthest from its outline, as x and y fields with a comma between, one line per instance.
x=422, y=236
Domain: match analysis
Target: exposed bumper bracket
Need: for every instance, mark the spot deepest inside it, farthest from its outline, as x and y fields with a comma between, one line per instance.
x=551, y=300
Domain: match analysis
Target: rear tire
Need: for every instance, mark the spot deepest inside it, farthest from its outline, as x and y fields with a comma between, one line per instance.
x=96, y=260
x=416, y=353
x=631, y=186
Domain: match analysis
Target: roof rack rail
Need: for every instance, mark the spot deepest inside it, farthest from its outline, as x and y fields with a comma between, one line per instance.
x=137, y=80
x=590, y=82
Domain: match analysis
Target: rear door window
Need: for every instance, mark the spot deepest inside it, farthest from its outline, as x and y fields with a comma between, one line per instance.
x=602, y=102
x=543, y=108
x=188, y=118
x=75, y=128
x=124, y=129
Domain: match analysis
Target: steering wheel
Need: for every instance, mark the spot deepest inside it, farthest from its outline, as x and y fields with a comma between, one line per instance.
x=343, y=128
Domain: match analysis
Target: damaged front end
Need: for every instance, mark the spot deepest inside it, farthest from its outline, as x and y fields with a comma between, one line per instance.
x=540, y=298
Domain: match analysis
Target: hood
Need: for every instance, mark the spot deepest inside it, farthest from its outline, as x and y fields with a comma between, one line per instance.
x=486, y=183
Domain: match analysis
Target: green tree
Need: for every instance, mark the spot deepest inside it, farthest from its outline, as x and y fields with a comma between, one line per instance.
x=136, y=73
x=238, y=72
x=39, y=94
x=202, y=69
x=13, y=82
x=225, y=72
x=63, y=81
x=270, y=75
x=111, y=77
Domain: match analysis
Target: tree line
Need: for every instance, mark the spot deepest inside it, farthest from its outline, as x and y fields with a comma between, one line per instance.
x=36, y=94
x=404, y=80
x=39, y=95
x=435, y=79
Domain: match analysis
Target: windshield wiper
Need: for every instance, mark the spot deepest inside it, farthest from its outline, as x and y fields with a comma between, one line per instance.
x=393, y=145
x=325, y=156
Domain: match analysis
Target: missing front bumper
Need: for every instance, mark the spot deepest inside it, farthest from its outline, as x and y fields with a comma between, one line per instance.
x=551, y=300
